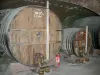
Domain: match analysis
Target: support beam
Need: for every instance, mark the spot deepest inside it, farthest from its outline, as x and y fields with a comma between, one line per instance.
x=47, y=30
x=86, y=38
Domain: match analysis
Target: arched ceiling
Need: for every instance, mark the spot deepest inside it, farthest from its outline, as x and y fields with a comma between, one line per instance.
x=93, y=5
x=64, y=10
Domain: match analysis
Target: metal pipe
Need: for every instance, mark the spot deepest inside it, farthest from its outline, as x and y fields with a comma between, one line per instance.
x=47, y=29
x=86, y=38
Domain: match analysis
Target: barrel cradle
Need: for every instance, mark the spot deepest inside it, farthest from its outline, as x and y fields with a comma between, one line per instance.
x=23, y=35
x=74, y=42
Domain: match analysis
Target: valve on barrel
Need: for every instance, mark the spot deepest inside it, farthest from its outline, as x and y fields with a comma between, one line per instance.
x=39, y=59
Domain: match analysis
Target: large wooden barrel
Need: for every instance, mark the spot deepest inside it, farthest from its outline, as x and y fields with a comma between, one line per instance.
x=74, y=41
x=93, y=24
x=23, y=34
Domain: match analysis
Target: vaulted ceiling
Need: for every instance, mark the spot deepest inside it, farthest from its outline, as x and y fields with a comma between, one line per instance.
x=93, y=5
x=67, y=10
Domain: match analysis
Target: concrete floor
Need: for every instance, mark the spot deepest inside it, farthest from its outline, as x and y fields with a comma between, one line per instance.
x=90, y=68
